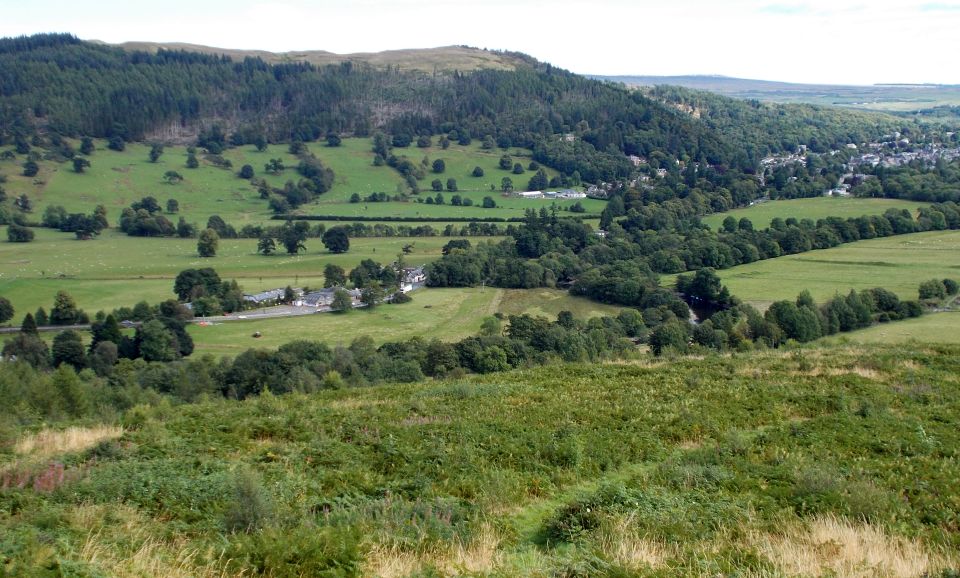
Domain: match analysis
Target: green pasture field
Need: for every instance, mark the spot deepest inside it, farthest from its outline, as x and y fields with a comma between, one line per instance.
x=117, y=179
x=931, y=328
x=116, y=270
x=897, y=263
x=814, y=208
x=445, y=314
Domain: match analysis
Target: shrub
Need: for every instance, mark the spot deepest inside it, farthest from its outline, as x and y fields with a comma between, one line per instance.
x=250, y=508
x=932, y=289
x=301, y=551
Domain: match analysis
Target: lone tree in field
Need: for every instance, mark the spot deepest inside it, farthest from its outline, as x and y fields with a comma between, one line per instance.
x=172, y=177
x=439, y=166
x=336, y=240
x=173, y=206
x=64, y=310
x=266, y=245
x=86, y=146
x=208, y=243
x=155, y=152
x=19, y=234
x=477, y=172
x=192, y=161
x=246, y=172
x=80, y=164
x=293, y=235
x=30, y=169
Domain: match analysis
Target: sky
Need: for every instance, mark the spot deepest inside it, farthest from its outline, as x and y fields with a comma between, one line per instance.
x=814, y=41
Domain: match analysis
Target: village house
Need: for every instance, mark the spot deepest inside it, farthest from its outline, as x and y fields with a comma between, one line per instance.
x=411, y=278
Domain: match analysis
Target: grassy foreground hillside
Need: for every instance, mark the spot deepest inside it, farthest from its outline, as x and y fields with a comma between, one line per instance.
x=813, y=462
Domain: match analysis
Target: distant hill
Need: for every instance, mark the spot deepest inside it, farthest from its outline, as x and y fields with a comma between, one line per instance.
x=576, y=125
x=886, y=97
x=444, y=58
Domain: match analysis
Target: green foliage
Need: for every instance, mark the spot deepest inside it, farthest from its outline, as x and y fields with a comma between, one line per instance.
x=250, y=508
x=207, y=243
x=933, y=289
x=19, y=234
x=295, y=552
x=336, y=240
x=68, y=348
x=342, y=301
x=7, y=312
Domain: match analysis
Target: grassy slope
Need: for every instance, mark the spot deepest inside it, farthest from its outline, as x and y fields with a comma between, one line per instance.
x=897, y=263
x=815, y=208
x=116, y=179
x=429, y=60
x=116, y=270
x=715, y=466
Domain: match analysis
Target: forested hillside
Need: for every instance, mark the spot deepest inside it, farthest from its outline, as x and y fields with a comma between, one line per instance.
x=771, y=128
x=58, y=83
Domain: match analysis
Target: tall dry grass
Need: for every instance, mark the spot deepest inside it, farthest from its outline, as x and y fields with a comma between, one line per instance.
x=621, y=543
x=831, y=546
x=478, y=556
x=119, y=543
x=48, y=443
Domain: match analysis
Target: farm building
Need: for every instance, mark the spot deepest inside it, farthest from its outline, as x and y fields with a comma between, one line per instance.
x=411, y=277
x=270, y=297
x=324, y=297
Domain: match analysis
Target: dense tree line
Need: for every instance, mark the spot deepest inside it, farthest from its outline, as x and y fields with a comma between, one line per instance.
x=673, y=243
x=83, y=226
x=118, y=372
x=916, y=181
x=622, y=268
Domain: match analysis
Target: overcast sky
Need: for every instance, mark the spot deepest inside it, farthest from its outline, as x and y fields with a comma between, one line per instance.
x=818, y=41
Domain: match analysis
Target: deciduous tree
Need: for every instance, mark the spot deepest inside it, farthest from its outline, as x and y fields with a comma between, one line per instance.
x=336, y=240
x=208, y=243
